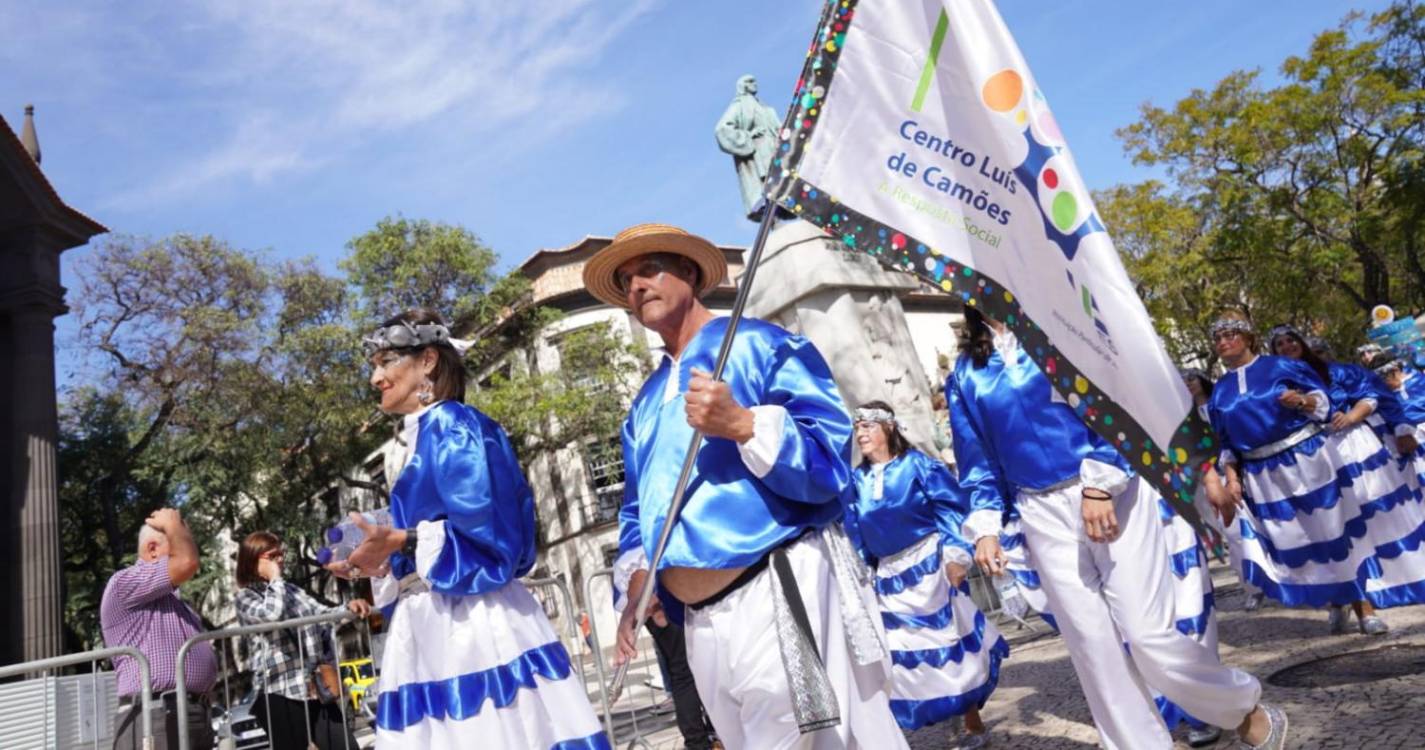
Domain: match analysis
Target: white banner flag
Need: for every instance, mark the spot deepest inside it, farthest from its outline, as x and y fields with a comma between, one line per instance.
x=919, y=136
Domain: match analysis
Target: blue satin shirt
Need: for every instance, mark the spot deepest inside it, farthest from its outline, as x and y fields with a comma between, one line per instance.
x=1246, y=418
x=464, y=472
x=732, y=518
x=919, y=497
x=1351, y=384
x=1011, y=434
x=1412, y=397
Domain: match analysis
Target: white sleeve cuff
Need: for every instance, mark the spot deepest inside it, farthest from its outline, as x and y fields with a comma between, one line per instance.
x=1370, y=401
x=1100, y=475
x=952, y=554
x=625, y=566
x=982, y=523
x=1226, y=458
x=430, y=539
x=1401, y=430
x=760, y=453
x=1322, y=412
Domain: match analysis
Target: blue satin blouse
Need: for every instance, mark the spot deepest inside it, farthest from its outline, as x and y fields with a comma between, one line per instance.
x=1351, y=383
x=919, y=497
x=464, y=472
x=1249, y=418
x=1412, y=397
x=732, y=518
x=1011, y=434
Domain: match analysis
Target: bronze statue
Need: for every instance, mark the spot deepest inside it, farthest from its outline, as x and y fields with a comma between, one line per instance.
x=748, y=131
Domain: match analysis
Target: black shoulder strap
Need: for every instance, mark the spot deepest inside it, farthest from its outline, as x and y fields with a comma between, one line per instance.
x=783, y=569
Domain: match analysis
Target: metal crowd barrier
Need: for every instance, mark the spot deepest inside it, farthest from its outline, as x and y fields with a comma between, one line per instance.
x=569, y=615
x=334, y=619
x=93, y=657
x=636, y=739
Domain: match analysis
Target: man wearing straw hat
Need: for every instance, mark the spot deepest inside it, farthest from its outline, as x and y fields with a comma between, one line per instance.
x=777, y=608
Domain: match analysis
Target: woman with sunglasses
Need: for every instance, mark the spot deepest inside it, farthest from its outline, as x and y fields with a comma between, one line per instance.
x=285, y=661
x=906, y=523
x=470, y=657
x=1095, y=533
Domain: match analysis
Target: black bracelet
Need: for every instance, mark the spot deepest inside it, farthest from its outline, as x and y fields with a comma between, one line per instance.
x=409, y=548
x=1104, y=496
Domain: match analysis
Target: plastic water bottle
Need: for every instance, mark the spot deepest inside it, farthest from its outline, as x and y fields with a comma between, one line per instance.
x=346, y=536
x=1011, y=600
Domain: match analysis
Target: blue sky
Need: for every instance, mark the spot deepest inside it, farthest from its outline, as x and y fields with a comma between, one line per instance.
x=293, y=125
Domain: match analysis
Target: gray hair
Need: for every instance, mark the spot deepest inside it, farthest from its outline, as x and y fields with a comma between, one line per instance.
x=149, y=534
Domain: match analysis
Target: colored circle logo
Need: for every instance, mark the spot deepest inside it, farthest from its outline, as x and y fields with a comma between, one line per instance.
x=1003, y=90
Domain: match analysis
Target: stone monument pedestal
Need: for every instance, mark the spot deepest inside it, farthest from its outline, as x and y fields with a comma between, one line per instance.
x=849, y=305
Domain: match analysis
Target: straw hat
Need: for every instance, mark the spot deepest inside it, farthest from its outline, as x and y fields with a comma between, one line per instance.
x=646, y=239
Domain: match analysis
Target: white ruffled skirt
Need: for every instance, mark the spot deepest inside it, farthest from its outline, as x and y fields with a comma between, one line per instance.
x=1395, y=516
x=485, y=670
x=945, y=654
x=1332, y=521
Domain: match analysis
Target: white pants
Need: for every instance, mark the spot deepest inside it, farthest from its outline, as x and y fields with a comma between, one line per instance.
x=736, y=662
x=1106, y=595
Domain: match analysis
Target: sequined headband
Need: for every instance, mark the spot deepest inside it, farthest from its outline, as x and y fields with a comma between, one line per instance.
x=1230, y=324
x=874, y=415
x=1285, y=330
x=1385, y=367
x=405, y=335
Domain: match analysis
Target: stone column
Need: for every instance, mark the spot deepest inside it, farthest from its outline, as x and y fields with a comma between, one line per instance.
x=35, y=487
x=849, y=306
x=30, y=581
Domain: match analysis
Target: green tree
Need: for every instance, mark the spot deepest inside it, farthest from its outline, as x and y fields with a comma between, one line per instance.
x=1300, y=201
x=229, y=387
x=580, y=401
x=404, y=263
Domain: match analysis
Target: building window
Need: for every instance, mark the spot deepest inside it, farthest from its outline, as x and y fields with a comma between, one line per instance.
x=603, y=463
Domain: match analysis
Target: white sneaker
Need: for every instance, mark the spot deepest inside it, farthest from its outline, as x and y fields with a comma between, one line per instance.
x=1374, y=625
x=1276, y=737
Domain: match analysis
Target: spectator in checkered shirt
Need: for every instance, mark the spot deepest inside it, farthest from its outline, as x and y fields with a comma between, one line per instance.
x=282, y=665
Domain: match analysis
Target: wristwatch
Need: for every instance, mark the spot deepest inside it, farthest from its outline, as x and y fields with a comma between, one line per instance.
x=409, y=548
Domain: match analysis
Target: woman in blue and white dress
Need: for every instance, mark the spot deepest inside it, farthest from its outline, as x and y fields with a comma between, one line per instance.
x=1095, y=533
x=1407, y=386
x=1391, y=506
x=906, y=524
x=470, y=658
x=1405, y=391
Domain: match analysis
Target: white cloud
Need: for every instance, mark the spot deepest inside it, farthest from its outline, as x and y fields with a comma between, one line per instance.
x=294, y=85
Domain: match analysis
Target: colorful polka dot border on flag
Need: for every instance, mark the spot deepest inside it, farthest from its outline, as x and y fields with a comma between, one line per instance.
x=918, y=136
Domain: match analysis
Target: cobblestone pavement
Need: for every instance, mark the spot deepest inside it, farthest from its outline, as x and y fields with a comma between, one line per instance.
x=1038, y=704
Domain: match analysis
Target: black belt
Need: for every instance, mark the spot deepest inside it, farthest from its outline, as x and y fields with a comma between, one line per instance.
x=746, y=575
x=165, y=699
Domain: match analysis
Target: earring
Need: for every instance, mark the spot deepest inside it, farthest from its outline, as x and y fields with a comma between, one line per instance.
x=426, y=393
